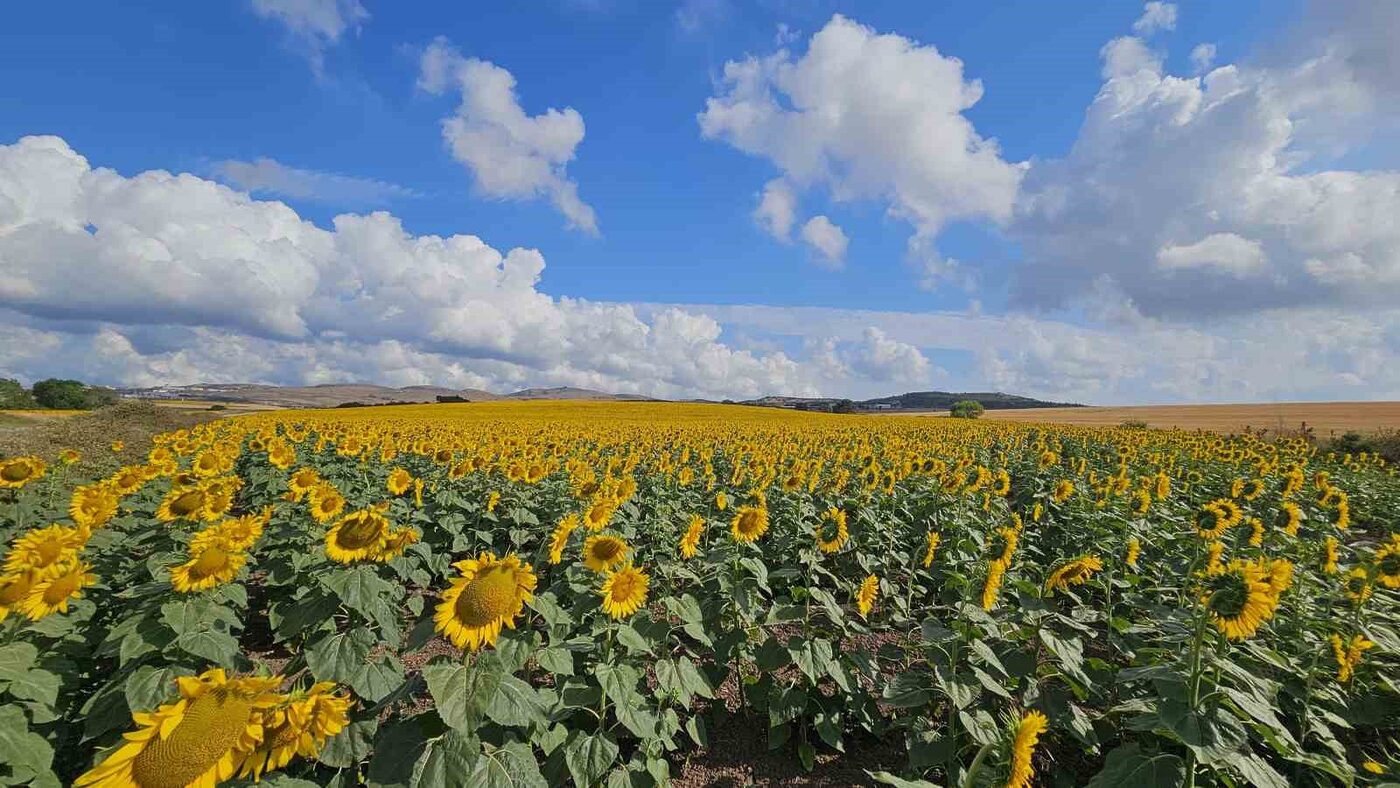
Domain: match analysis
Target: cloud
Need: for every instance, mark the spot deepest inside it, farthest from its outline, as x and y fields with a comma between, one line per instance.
x=883, y=359
x=268, y=177
x=693, y=16
x=1202, y=57
x=1156, y=16
x=315, y=25
x=827, y=239
x=1175, y=181
x=511, y=155
x=777, y=209
x=867, y=116
x=165, y=278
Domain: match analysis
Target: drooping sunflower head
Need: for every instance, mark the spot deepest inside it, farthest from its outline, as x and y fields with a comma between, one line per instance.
x=299, y=724
x=690, y=542
x=602, y=552
x=1075, y=571
x=201, y=739
x=832, y=532
x=934, y=538
x=624, y=591
x=488, y=595
x=44, y=551
x=749, y=523
x=357, y=536
x=865, y=595
x=560, y=538
x=1025, y=733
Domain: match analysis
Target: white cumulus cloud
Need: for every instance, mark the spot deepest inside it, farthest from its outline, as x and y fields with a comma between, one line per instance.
x=510, y=153
x=828, y=240
x=315, y=25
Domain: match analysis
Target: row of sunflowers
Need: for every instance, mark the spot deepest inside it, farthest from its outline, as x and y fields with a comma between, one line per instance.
x=543, y=593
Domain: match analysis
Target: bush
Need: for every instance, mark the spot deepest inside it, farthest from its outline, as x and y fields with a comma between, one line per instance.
x=1133, y=424
x=966, y=409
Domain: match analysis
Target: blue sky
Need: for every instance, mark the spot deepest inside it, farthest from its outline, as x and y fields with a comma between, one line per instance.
x=335, y=91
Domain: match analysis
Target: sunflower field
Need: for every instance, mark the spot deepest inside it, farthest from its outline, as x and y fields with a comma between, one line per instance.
x=532, y=594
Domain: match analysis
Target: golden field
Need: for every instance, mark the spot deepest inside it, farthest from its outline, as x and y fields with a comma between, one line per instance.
x=1326, y=419
x=590, y=593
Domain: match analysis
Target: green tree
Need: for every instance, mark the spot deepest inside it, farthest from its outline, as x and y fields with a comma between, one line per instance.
x=71, y=395
x=966, y=409
x=13, y=395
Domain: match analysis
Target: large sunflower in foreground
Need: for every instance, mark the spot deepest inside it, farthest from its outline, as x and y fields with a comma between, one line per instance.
x=52, y=593
x=199, y=740
x=44, y=551
x=1024, y=736
x=624, y=591
x=490, y=593
x=299, y=724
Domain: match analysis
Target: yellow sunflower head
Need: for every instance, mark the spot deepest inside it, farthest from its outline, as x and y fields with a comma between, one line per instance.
x=182, y=503
x=1024, y=736
x=52, y=593
x=560, y=538
x=14, y=587
x=488, y=595
x=865, y=595
x=299, y=724
x=399, y=481
x=44, y=551
x=16, y=472
x=1387, y=561
x=211, y=566
x=357, y=536
x=1073, y=572
x=603, y=552
x=624, y=591
x=690, y=542
x=832, y=532
x=326, y=502
x=93, y=505
x=749, y=523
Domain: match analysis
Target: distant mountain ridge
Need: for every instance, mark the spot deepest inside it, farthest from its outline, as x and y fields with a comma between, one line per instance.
x=332, y=395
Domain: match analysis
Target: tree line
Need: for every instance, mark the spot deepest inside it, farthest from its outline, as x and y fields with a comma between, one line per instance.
x=53, y=394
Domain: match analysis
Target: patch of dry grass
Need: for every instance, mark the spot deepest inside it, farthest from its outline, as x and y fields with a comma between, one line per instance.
x=93, y=433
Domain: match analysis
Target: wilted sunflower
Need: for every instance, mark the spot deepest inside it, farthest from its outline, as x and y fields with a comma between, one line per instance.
x=93, y=505
x=1348, y=654
x=52, y=593
x=488, y=595
x=358, y=536
x=1024, y=736
x=865, y=595
x=299, y=724
x=19, y=471
x=749, y=523
x=399, y=481
x=603, y=552
x=199, y=740
x=624, y=591
x=1239, y=599
x=831, y=531
x=210, y=566
x=996, y=572
x=933, y=539
x=560, y=538
x=45, y=551
x=690, y=542
x=1387, y=562
x=1075, y=571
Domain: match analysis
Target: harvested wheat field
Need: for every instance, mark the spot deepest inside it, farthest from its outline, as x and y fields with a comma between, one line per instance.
x=1324, y=418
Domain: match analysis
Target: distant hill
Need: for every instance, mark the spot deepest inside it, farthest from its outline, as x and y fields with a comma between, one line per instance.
x=569, y=392
x=912, y=401
x=337, y=394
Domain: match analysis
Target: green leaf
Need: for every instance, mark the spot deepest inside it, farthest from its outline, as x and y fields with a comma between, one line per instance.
x=1127, y=766
x=515, y=703
x=619, y=682
x=221, y=648
x=556, y=660
x=344, y=658
x=510, y=766
x=693, y=680
x=398, y=748
x=27, y=754
x=1068, y=652
x=448, y=761
x=1259, y=773
x=364, y=591
x=16, y=659
x=148, y=686
x=905, y=691
x=960, y=692
x=589, y=757
x=633, y=640
x=461, y=693
x=885, y=778
x=352, y=745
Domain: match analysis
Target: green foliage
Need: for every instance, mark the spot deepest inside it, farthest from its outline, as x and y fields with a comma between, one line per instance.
x=13, y=396
x=966, y=409
x=58, y=394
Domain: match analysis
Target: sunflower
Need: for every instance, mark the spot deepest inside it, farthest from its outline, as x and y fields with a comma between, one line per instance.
x=690, y=542
x=357, y=536
x=600, y=511
x=93, y=505
x=1074, y=572
x=303, y=481
x=237, y=534
x=1387, y=561
x=14, y=588
x=749, y=523
x=1003, y=544
x=1002, y=487
x=1217, y=517
x=996, y=572
x=1239, y=599
x=865, y=595
x=19, y=471
x=1357, y=586
x=199, y=740
x=395, y=544
x=1134, y=550
x=326, y=502
x=1348, y=655
x=182, y=503
x=934, y=538
x=1025, y=735
x=219, y=496
x=624, y=591
x=492, y=501
x=603, y=552
x=299, y=724
x=1162, y=486
x=488, y=595
x=208, y=464
x=211, y=566
x=128, y=480
x=399, y=481
x=1329, y=555
x=52, y=593
x=1142, y=501
x=721, y=500
x=560, y=538
x=118, y=447
x=45, y=551
x=1062, y=492
x=1253, y=488
x=1256, y=531
x=831, y=532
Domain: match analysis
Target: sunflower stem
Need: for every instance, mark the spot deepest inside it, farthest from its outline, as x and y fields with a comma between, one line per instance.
x=970, y=778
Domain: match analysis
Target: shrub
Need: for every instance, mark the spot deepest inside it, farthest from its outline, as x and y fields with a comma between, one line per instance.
x=14, y=397
x=966, y=409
